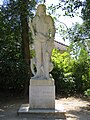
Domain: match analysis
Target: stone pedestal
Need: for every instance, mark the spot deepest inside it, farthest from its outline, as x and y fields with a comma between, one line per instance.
x=41, y=94
x=42, y=101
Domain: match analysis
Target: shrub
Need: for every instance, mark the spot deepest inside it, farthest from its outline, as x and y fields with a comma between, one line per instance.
x=87, y=93
x=71, y=75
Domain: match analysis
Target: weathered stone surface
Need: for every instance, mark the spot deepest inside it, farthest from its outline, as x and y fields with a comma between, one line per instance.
x=42, y=94
x=43, y=33
x=58, y=109
x=41, y=82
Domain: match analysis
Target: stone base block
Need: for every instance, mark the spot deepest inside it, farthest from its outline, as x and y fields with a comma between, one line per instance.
x=41, y=94
x=42, y=114
x=58, y=109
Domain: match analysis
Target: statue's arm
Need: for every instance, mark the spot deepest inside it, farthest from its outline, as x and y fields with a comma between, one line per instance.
x=51, y=27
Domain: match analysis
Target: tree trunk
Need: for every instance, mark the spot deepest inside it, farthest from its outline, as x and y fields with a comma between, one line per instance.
x=25, y=40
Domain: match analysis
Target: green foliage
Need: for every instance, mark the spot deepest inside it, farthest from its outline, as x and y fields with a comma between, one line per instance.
x=79, y=37
x=81, y=74
x=13, y=76
x=86, y=13
x=71, y=75
x=87, y=93
x=62, y=72
x=68, y=7
x=13, y=73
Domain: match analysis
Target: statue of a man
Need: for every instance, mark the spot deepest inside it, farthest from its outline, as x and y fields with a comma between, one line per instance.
x=43, y=31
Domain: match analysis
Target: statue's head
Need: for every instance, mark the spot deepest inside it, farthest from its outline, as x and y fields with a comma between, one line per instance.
x=41, y=9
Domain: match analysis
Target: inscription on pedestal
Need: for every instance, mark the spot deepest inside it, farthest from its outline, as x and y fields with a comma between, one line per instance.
x=42, y=96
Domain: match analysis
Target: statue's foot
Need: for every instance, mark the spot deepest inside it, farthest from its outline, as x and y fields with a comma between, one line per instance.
x=36, y=77
x=45, y=78
x=41, y=77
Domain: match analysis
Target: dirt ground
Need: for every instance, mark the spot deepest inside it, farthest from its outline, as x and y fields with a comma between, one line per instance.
x=77, y=108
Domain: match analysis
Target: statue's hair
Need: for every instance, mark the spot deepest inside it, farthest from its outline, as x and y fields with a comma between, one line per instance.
x=41, y=6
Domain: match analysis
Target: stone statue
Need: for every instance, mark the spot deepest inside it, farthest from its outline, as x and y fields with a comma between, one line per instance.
x=43, y=32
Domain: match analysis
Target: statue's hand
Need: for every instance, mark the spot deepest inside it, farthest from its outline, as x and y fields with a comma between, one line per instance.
x=49, y=46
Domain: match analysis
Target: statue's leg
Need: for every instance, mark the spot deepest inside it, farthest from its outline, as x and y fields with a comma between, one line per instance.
x=47, y=66
x=45, y=61
x=38, y=58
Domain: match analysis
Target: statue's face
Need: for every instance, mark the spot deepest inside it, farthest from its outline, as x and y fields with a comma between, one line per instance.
x=41, y=10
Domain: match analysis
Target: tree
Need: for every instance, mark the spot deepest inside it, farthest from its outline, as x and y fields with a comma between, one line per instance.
x=78, y=37
x=86, y=13
x=25, y=37
x=14, y=41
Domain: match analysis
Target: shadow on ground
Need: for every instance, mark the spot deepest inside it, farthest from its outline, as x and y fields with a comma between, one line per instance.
x=9, y=106
x=77, y=109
